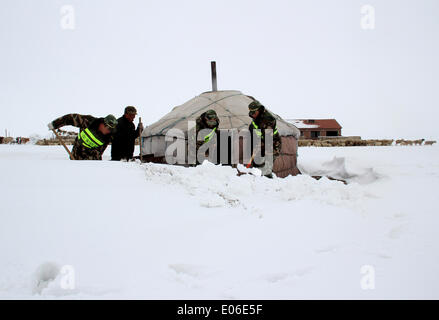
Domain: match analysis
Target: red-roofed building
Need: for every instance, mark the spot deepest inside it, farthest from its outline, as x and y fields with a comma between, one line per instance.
x=314, y=128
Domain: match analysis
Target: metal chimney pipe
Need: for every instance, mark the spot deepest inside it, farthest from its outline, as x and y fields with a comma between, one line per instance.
x=213, y=69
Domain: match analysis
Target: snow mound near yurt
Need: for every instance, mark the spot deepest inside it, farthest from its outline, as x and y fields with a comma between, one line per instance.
x=340, y=168
x=219, y=186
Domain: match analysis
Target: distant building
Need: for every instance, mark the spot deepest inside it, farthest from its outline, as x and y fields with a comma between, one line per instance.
x=314, y=128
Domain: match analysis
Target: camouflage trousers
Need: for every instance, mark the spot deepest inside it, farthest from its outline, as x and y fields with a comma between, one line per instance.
x=267, y=169
x=277, y=147
x=80, y=152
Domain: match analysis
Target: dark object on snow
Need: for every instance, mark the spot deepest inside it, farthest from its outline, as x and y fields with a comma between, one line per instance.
x=330, y=178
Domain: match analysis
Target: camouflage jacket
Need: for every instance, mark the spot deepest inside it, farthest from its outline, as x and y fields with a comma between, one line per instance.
x=79, y=151
x=200, y=125
x=265, y=120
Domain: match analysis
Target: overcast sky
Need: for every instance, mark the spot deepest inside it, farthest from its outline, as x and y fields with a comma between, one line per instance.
x=302, y=59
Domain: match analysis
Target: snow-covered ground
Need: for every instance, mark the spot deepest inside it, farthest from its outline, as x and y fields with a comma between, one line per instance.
x=125, y=230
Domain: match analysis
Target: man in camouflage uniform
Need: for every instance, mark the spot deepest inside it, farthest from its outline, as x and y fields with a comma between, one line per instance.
x=94, y=134
x=262, y=120
x=207, y=120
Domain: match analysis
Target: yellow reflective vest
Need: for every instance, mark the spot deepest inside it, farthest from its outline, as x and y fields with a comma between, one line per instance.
x=89, y=140
x=209, y=136
x=258, y=131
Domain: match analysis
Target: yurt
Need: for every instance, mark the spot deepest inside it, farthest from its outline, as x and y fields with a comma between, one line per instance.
x=232, y=109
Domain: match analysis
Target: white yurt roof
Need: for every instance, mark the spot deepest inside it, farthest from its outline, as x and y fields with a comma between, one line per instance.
x=231, y=107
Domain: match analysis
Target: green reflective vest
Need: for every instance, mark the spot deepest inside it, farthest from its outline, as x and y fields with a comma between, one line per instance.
x=209, y=136
x=258, y=131
x=88, y=139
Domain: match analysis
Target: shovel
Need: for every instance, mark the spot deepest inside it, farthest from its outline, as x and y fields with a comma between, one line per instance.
x=63, y=144
x=248, y=165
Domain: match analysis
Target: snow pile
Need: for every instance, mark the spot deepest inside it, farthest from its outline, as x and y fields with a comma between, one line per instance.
x=219, y=186
x=339, y=169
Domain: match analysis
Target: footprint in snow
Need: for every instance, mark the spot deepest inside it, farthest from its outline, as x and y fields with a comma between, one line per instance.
x=396, y=232
x=283, y=276
x=328, y=249
x=193, y=271
x=43, y=275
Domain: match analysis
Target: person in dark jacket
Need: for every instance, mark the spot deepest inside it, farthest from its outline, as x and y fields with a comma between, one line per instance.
x=125, y=136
